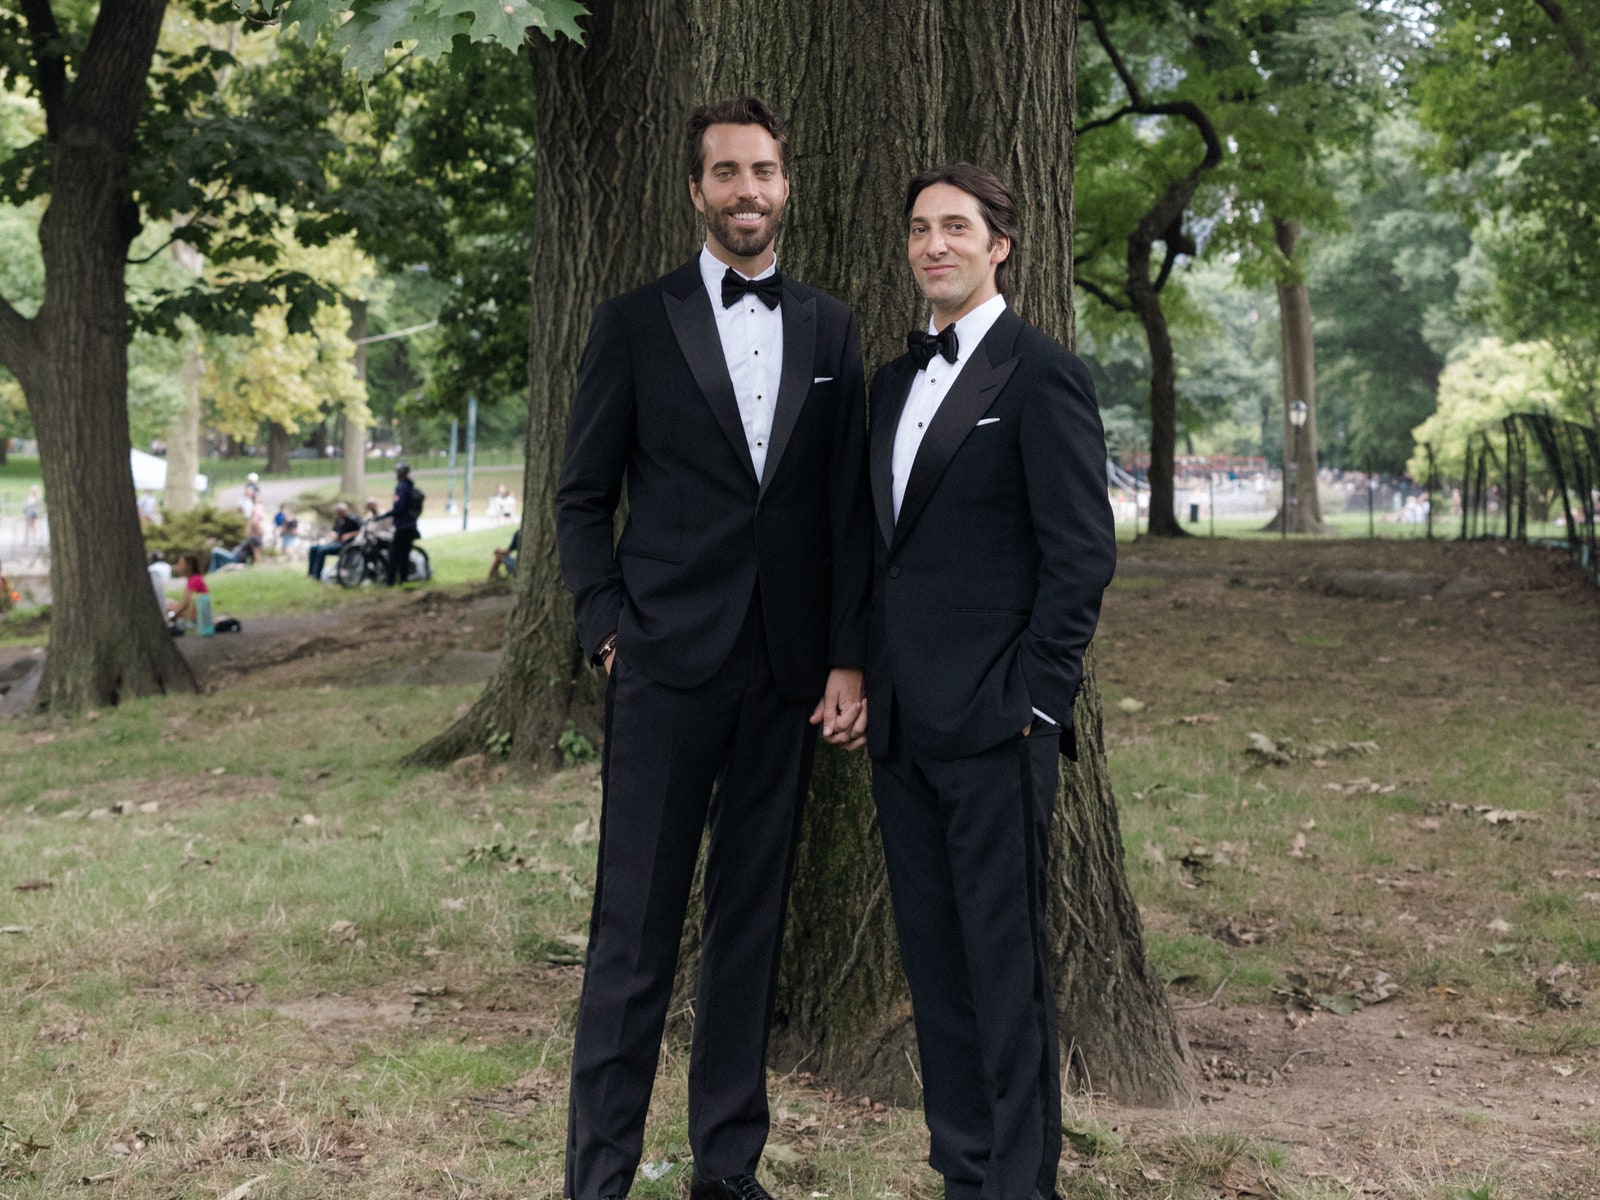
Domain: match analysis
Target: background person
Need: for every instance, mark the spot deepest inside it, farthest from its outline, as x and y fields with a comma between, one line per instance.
x=404, y=512
x=345, y=528
x=194, y=610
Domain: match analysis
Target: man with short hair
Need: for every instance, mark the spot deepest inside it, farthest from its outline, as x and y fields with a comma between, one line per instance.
x=731, y=619
x=345, y=528
x=995, y=544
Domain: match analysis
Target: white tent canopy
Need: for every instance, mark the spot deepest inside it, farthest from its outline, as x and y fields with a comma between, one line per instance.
x=150, y=473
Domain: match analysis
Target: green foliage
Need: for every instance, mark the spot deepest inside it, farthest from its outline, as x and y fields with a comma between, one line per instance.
x=364, y=32
x=576, y=749
x=1514, y=94
x=1388, y=296
x=194, y=532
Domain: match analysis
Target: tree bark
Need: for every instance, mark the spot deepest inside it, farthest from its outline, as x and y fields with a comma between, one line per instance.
x=842, y=1008
x=107, y=639
x=278, y=446
x=353, y=471
x=183, y=438
x=1299, y=383
x=183, y=435
x=609, y=132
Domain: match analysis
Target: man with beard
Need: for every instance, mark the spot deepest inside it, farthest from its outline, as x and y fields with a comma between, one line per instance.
x=730, y=617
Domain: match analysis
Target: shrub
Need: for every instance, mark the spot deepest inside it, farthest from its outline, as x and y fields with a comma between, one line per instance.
x=194, y=532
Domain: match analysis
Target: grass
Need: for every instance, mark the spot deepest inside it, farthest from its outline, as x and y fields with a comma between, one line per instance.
x=265, y=949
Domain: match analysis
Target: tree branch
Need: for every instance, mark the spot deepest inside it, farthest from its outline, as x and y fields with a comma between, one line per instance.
x=1166, y=265
x=1101, y=122
x=1101, y=294
x=1569, y=34
x=1103, y=36
x=50, y=65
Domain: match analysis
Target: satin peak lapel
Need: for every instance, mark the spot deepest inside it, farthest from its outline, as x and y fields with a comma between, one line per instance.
x=969, y=398
x=799, y=351
x=695, y=327
x=881, y=454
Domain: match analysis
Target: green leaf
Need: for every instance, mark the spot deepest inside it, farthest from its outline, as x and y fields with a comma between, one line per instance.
x=507, y=21
x=1093, y=1143
x=429, y=27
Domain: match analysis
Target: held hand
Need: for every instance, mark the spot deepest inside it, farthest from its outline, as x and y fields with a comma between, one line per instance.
x=842, y=711
x=1027, y=729
x=610, y=658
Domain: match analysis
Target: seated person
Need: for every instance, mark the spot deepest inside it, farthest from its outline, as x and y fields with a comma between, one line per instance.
x=160, y=577
x=345, y=528
x=506, y=558
x=245, y=554
x=194, y=611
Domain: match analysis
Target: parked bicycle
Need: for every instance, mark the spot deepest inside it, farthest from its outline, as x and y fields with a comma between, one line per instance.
x=366, y=557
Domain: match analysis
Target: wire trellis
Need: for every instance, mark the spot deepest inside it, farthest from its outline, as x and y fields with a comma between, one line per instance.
x=1532, y=467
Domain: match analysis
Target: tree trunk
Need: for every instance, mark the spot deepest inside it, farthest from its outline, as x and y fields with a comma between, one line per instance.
x=183, y=438
x=278, y=446
x=183, y=435
x=842, y=1007
x=107, y=639
x=1163, y=397
x=609, y=132
x=1299, y=383
x=353, y=472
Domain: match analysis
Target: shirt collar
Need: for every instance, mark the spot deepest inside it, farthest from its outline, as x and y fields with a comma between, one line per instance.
x=974, y=327
x=713, y=268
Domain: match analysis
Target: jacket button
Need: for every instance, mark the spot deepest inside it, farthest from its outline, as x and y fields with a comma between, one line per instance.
x=894, y=572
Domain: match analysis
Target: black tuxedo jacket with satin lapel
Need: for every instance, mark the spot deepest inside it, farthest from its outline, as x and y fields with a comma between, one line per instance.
x=655, y=408
x=987, y=590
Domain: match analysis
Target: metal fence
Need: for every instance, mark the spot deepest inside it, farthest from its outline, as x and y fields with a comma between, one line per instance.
x=1532, y=477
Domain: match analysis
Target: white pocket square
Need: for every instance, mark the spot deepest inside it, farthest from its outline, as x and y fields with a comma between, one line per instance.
x=989, y=421
x=823, y=379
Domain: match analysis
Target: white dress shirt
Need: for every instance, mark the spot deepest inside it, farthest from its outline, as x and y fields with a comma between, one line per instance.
x=752, y=344
x=931, y=385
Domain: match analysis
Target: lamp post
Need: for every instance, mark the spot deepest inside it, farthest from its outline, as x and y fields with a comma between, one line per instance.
x=1298, y=412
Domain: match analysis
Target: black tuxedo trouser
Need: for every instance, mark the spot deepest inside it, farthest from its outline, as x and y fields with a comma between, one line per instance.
x=665, y=750
x=967, y=843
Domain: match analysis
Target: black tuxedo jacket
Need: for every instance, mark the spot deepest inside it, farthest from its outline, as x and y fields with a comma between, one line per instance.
x=655, y=407
x=986, y=591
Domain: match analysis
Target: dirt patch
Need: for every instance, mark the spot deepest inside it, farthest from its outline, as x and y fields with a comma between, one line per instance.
x=1305, y=642
x=421, y=639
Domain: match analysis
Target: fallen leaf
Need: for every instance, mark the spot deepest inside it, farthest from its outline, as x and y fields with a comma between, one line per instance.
x=344, y=931
x=1297, y=848
x=243, y=1190
x=1498, y=925
x=1129, y=705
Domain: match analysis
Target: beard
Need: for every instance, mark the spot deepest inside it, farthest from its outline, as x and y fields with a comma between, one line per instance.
x=744, y=244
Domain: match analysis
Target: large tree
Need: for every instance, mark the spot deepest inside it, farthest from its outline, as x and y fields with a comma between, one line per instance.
x=107, y=641
x=609, y=150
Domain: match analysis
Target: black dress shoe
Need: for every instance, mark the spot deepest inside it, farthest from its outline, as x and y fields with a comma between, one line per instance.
x=734, y=1187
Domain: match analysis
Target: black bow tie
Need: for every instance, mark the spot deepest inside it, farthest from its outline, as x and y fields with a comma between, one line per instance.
x=924, y=346
x=734, y=285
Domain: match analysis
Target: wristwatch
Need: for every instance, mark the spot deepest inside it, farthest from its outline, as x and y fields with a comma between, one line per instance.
x=607, y=645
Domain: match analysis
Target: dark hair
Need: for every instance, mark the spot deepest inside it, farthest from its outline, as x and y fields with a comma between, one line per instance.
x=745, y=110
x=994, y=202
x=191, y=560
